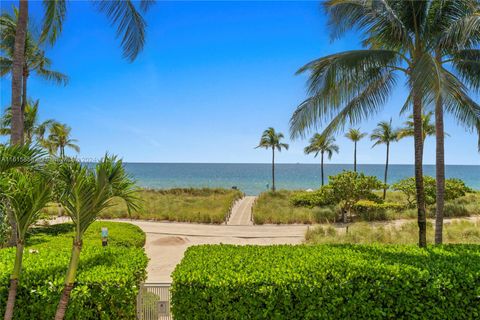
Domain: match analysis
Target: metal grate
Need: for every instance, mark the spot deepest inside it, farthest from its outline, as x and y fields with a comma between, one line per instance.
x=153, y=302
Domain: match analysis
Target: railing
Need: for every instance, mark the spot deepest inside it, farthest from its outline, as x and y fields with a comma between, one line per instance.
x=153, y=301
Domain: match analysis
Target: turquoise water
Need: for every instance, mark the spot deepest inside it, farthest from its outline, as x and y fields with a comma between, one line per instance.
x=253, y=178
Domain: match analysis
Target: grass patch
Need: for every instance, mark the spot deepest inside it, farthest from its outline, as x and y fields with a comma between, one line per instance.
x=406, y=233
x=276, y=207
x=107, y=281
x=185, y=205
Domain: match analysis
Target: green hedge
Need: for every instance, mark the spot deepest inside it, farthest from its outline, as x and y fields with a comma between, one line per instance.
x=373, y=211
x=107, y=281
x=327, y=282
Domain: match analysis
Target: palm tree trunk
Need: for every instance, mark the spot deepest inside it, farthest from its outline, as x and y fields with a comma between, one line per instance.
x=69, y=280
x=273, y=169
x=355, y=157
x=12, y=291
x=420, y=191
x=440, y=167
x=386, y=172
x=18, y=62
x=322, y=167
x=11, y=219
x=24, y=88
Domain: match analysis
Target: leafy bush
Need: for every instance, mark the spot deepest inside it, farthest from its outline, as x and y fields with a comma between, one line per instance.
x=327, y=282
x=107, y=281
x=349, y=187
x=454, y=188
x=371, y=211
x=320, y=197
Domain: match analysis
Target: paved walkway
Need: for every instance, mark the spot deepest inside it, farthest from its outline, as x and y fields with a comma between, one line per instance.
x=242, y=212
x=167, y=241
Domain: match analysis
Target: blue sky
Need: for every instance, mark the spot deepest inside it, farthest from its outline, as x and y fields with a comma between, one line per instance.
x=212, y=77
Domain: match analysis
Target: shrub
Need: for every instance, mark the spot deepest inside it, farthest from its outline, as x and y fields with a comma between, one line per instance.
x=107, y=281
x=320, y=197
x=327, y=282
x=454, y=188
x=369, y=210
x=349, y=187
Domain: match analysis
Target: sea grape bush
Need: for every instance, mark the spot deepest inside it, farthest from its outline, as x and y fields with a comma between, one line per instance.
x=454, y=188
x=320, y=197
x=107, y=282
x=327, y=282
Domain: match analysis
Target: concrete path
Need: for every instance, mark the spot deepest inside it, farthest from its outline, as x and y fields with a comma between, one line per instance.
x=242, y=212
x=167, y=241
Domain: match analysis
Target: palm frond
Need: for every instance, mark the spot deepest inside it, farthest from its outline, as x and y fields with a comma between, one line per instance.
x=367, y=103
x=55, y=12
x=16, y=156
x=129, y=22
x=379, y=18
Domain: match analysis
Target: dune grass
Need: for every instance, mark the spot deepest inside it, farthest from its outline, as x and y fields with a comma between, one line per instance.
x=185, y=205
x=276, y=208
x=455, y=231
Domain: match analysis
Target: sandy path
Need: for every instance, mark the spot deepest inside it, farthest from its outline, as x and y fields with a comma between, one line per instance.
x=242, y=212
x=167, y=241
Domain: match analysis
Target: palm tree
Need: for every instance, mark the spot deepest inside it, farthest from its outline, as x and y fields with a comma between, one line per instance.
x=456, y=37
x=32, y=128
x=22, y=195
x=428, y=128
x=124, y=14
x=351, y=86
x=384, y=134
x=59, y=139
x=272, y=139
x=355, y=135
x=321, y=144
x=35, y=59
x=28, y=194
x=89, y=192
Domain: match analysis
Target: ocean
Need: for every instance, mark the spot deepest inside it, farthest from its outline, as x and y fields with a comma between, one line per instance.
x=253, y=178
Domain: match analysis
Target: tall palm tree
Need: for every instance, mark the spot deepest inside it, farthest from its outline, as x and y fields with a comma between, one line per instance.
x=123, y=14
x=355, y=135
x=32, y=128
x=28, y=194
x=272, y=139
x=350, y=86
x=384, y=134
x=89, y=192
x=428, y=128
x=456, y=35
x=35, y=60
x=321, y=144
x=59, y=139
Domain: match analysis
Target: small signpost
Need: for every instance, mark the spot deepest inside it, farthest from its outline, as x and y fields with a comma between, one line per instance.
x=104, y=236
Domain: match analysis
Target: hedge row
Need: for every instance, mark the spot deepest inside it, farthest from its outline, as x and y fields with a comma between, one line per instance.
x=327, y=282
x=107, y=281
